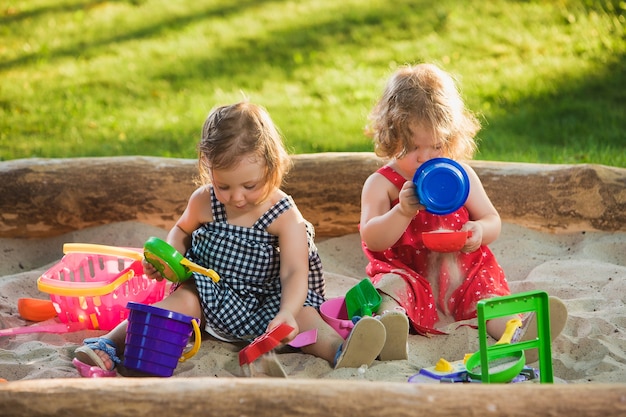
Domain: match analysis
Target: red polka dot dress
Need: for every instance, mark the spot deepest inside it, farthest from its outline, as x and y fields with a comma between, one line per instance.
x=454, y=282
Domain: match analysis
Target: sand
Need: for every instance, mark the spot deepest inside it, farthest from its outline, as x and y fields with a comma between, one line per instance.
x=587, y=270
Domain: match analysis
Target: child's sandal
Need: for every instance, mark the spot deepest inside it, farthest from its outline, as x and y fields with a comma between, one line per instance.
x=397, y=336
x=363, y=345
x=87, y=352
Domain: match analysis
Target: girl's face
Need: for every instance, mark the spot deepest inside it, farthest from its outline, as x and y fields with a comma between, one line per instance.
x=425, y=146
x=242, y=186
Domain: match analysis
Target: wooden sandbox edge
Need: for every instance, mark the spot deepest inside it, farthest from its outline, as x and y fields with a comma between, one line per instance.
x=50, y=197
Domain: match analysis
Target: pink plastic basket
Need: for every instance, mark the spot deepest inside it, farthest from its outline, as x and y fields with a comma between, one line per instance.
x=94, y=289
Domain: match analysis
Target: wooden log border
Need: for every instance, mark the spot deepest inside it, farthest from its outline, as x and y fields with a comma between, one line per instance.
x=49, y=197
x=226, y=397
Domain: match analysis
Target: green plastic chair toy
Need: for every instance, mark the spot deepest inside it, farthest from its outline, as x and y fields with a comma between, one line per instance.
x=535, y=301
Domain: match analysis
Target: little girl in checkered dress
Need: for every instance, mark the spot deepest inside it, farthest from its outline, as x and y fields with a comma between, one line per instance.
x=243, y=226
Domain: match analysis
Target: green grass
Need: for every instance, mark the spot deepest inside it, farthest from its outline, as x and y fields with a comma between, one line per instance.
x=105, y=78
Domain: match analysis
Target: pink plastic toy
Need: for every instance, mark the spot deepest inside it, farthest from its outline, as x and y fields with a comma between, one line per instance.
x=304, y=339
x=89, y=371
x=94, y=289
x=44, y=328
x=335, y=313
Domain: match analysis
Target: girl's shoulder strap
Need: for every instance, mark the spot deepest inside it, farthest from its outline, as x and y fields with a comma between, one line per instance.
x=217, y=208
x=273, y=212
x=392, y=175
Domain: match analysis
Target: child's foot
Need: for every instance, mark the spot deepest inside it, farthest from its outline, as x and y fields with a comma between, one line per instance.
x=363, y=345
x=397, y=334
x=528, y=331
x=98, y=351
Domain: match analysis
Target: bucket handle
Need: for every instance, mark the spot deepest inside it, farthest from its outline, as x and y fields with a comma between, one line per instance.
x=102, y=250
x=196, y=343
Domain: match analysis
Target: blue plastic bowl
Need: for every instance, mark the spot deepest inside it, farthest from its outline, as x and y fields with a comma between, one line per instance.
x=442, y=185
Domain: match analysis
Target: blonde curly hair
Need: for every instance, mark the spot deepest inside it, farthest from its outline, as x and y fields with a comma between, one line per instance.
x=426, y=95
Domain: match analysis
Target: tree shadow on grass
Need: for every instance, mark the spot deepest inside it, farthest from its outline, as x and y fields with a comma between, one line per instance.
x=80, y=47
x=541, y=124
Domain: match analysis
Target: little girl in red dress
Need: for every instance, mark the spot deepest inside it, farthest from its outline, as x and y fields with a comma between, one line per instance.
x=421, y=116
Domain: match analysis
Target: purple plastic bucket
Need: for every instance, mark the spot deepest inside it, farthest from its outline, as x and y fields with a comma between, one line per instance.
x=335, y=313
x=156, y=339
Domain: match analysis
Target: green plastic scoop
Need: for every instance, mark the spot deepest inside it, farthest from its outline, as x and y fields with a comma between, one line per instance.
x=170, y=263
x=362, y=299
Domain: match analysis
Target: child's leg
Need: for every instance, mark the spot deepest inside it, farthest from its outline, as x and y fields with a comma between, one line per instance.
x=558, y=319
x=496, y=327
x=528, y=331
x=328, y=340
x=393, y=318
x=184, y=300
x=388, y=286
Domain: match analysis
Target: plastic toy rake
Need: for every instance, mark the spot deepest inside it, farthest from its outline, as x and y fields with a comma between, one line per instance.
x=263, y=344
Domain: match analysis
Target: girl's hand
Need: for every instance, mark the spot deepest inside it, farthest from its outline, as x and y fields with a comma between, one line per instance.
x=151, y=271
x=475, y=240
x=408, y=202
x=288, y=319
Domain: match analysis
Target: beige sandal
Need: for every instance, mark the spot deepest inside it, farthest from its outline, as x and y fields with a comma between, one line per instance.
x=363, y=345
x=397, y=336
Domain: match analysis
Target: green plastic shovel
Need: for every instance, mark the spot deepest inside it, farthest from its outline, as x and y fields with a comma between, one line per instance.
x=362, y=299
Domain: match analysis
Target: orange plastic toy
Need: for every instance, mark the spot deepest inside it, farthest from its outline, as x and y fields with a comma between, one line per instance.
x=34, y=309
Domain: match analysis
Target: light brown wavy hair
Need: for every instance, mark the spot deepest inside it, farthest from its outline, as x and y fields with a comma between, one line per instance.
x=427, y=95
x=233, y=131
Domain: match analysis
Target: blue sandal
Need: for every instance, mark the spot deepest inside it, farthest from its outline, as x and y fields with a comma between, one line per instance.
x=87, y=352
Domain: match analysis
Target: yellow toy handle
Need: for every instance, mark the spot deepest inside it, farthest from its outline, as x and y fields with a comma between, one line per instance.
x=132, y=254
x=196, y=343
x=509, y=331
x=102, y=250
x=200, y=269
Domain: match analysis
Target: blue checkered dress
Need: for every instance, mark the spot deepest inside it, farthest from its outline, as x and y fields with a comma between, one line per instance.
x=247, y=259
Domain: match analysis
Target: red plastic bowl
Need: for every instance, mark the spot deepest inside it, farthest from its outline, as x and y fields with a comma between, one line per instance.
x=445, y=240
